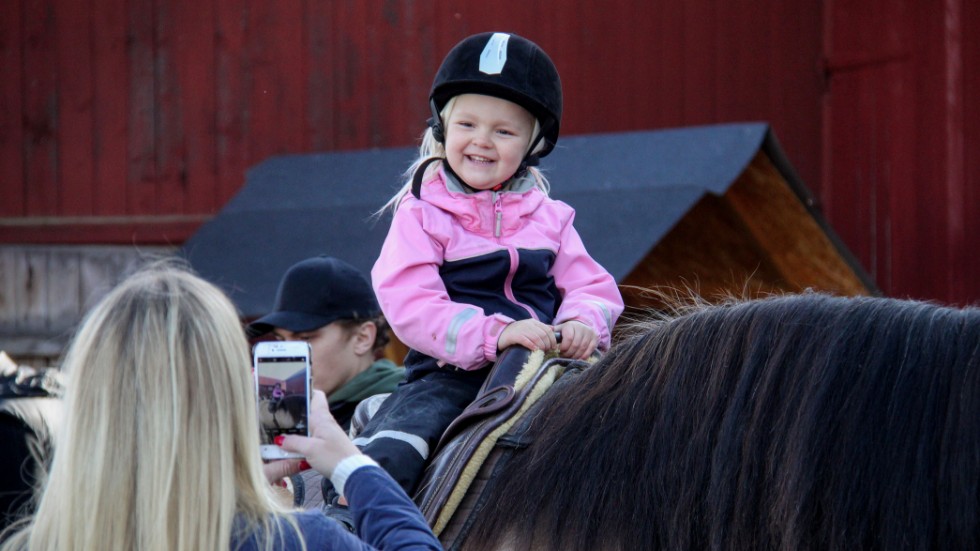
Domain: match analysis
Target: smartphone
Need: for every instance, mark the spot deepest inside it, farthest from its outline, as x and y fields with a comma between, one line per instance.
x=282, y=392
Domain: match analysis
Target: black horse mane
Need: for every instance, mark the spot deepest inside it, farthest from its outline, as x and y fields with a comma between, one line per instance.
x=797, y=422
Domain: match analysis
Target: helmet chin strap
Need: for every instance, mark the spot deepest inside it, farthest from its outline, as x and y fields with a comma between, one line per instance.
x=435, y=123
x=468, y=187
x=420, y=173
x=530, y=160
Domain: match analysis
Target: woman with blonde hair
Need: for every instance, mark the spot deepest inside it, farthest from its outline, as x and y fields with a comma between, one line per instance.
x=160, y=445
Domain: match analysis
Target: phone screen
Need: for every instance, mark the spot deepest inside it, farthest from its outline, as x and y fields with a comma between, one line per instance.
x=282, y=383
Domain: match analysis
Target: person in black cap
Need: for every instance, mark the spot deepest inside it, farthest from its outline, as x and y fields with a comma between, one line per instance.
x=329, y=303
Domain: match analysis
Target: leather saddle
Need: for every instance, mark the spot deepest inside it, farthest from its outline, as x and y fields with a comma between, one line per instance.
x=470, y=447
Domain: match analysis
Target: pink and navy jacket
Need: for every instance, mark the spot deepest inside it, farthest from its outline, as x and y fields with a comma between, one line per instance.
x=457, y=267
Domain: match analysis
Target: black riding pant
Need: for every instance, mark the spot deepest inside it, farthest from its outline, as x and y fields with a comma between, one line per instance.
x=404, y=432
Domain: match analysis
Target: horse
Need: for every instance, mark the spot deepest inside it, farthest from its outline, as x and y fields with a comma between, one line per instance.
x=794, y=422
x=283, y=414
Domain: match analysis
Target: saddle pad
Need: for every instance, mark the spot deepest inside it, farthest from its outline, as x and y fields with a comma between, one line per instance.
x=508, y=448
x=457, y=463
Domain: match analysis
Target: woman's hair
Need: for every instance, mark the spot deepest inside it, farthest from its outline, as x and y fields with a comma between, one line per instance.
x=798, y=422
x=159, y=449
x=430, y=147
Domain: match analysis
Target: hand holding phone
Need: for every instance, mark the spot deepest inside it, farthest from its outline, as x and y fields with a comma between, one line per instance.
x=330, y=445
x=282, y=387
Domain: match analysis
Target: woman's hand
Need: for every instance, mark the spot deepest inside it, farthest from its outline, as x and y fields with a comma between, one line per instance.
x=276, y=471
x=578, y=340
x=327, y=444
x=530, y=333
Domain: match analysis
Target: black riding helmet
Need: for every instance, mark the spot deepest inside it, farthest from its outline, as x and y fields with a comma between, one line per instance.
x=506, y=66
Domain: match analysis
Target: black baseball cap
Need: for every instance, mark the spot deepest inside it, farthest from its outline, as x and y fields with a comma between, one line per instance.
x=315, y=292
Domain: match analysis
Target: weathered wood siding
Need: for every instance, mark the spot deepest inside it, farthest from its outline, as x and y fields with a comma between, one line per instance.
x=45, y=291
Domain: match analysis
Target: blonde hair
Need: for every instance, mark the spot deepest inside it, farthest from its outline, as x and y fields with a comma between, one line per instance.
x=159, y=450
x=431, y=148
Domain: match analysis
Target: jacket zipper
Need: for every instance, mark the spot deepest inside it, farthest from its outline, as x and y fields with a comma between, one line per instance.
x=514, y=257
x=498, y=213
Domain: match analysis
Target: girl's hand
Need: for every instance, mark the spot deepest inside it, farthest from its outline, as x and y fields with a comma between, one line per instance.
x=327, y=444
x=529, y=333
x=578, y=340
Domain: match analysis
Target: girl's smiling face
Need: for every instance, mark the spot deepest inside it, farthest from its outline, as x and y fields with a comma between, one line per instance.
x=486, y=139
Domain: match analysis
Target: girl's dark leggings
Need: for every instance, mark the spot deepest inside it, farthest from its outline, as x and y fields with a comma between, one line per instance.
x=403, y=434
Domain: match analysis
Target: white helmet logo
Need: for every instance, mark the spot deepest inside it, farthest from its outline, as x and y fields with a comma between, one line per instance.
x=494, y=55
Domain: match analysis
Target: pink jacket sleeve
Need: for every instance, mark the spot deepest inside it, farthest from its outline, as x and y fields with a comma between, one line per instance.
x=589, y=292
x=415, y=301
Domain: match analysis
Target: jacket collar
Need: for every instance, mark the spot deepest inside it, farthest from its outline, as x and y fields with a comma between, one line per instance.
x=477, y=211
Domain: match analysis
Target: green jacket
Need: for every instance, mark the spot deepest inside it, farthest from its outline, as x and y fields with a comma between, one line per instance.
x=383, y=376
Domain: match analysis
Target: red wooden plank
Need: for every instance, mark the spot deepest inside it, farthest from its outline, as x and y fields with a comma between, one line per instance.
x=403, y=90
x=669, y=33
x=168, y=134
x=931, y=206
x=939, y=40
x=40, y=99
x=12, y=184
x=605, y=104
x=419, y=69
x=699, y=68
x=782, y=72
x=567, y=52
x=366, y=39
x=753, y=86
x=232, y=102
x=589, y=102
x=278, y=73
x=195, y=67
x=906, y=228
x=321, y=51
x=797, y=85
x=352, y=102
x=184, y=90
x=871, y=174
x=846, y=178
x=726, y=61
x=141, y=176
x=76, y=170
x=825, y=197
x=111, y=94
x=345, y=72
x=966, y=289
x=957, y=250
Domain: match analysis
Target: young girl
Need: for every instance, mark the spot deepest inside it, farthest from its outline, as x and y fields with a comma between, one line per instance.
x=278, y=393
x=478, y=257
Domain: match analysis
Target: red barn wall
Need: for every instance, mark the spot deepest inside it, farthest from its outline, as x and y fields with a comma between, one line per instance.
x=134, y=120
x=901, y=178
